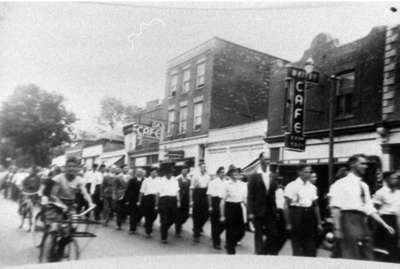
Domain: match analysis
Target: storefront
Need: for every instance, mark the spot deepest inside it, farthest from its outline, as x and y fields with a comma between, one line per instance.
x=113, y=158
x=238, y=145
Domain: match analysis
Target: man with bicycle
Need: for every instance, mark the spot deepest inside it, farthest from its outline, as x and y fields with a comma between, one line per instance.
x=30, y=187
x=68, y=184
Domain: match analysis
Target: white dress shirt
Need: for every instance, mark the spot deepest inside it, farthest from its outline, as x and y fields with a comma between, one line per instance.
x=235, y=191
x=150, y=186
x=280, y=198
x=351, y=193
x=265, y=176
x=301, y=193
x=201, y=180
x=388, y=200
x=216, y=188
x=168, y=187
x=94, y=178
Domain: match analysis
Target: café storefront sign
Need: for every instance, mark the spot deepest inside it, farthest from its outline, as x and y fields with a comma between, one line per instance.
x=294, y=139
x=143, y=130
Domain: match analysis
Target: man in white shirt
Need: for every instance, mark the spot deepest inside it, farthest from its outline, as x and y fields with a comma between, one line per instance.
x=168, y=201
x=387, y=200
x=216, y=192
x=351, y=204
x=302, y=213
x=148, y=200
x=200, y=201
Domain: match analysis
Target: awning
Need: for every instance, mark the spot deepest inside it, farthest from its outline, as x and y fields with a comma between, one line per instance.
x=112, y=160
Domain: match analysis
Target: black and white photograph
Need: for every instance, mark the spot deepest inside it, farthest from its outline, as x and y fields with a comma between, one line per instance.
x=199, y=134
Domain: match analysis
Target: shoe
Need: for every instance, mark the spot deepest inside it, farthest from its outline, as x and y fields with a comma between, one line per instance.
x=218, y=247
x=164, y=241
x=118, y=228
x=148, y=235
x=132, y=232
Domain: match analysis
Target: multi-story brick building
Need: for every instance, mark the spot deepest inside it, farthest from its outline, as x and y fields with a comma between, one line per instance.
x=216, y=85
x=365, y=102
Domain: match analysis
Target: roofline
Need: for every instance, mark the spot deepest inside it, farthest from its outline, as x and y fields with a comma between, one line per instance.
x=254, y=50
x=170, y=62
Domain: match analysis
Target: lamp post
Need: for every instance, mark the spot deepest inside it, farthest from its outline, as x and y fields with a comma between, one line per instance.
x=309, y=68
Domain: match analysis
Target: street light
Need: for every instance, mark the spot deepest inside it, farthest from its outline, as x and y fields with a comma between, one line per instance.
x=309, y=68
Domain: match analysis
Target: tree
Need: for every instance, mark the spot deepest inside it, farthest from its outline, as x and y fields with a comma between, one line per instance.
x=114, y=113
x=32, y=122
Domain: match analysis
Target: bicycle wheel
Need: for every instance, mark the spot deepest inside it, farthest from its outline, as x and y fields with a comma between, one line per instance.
x=48, y=247
x=39, y=229
x=71, y=251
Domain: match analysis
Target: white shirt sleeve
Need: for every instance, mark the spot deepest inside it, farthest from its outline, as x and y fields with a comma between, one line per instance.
x=143, y=188
x=290, y=192
x=378, y=197
x=336, y=196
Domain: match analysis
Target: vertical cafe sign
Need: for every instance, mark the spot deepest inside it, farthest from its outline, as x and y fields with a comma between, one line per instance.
x=295, y=139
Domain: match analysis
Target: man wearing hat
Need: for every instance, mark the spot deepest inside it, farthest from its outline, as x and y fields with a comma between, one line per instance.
x=262, y=209
x=168, y=201
x=132, y=197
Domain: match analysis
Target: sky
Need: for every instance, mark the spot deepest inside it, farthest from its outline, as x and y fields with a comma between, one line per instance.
x=88, y=50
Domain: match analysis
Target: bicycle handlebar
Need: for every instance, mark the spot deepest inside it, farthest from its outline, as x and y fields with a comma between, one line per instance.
x=84, y=212
x=30, y=193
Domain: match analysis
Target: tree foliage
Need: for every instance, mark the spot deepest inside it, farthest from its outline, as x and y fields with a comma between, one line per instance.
x=114, y=113
x=32, y=122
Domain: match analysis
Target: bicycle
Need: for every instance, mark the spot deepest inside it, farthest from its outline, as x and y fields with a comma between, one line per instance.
x=59, y=244
x=26, y=208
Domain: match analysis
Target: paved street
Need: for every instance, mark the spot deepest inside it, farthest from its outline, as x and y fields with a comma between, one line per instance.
x=16, y=246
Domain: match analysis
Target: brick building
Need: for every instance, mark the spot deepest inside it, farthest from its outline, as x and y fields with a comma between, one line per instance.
x=218, y=84
x=143, y=150
x=365, y=103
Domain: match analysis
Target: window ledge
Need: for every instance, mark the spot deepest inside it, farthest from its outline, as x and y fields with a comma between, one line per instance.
x=345, y=117
x=197, y=130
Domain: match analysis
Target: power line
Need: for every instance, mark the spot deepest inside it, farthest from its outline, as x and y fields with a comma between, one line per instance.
x=261, y=8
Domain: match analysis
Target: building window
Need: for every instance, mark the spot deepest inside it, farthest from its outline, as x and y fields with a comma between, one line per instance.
x=345, y=95
x=171, y=122
x=173, y=85
x=275, y=154
x=186, y=80
x=197, y=115
x=182, y=120
x=201, y=70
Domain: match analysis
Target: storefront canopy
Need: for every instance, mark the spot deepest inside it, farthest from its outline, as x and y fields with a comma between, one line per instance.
x=112, y=160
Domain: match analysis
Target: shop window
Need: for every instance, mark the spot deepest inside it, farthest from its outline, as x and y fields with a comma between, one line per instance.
x=274, y=153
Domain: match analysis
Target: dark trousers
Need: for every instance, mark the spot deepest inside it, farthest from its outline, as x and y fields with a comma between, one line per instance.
x=108, y=209
x=200, y=210
x=120, y=210
x=97, y=202
x=386, y=241
x=216, y=226
x=356, y=242
x=168, y=211
x=268, y=239
x=149, y=212
x=135, y=215
x=182, y=216
x=234, y=226
x=304, y=231
x=82, y=204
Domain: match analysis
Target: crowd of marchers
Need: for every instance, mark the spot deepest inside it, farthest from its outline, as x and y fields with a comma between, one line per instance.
x=362, y=226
